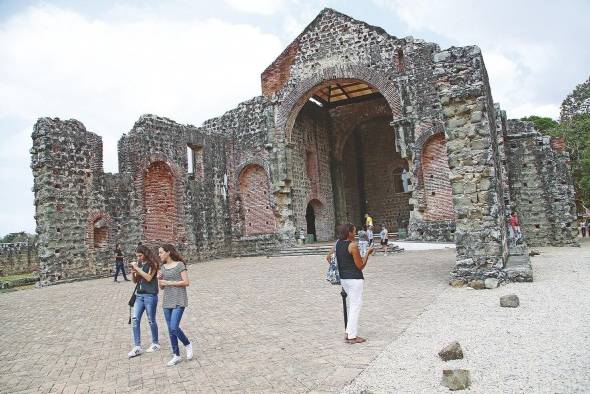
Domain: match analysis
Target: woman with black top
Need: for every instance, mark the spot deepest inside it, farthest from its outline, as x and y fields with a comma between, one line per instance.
x=119, y=267
x=350, y=266
x=145, y=273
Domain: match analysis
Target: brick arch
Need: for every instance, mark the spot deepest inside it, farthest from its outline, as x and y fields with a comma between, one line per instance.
x=294, y=99
x=424, y=132
x=257, y=211
x=159, y=203
x=177, y=213
x=436, y=186
x=91, y=232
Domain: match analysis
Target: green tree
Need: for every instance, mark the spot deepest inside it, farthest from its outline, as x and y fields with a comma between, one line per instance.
x=576, y=133
x=541, y=123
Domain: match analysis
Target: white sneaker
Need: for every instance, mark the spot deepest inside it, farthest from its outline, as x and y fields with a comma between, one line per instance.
x=154, y=347
x=174, y=360
x=136, y=351
x=189, y=351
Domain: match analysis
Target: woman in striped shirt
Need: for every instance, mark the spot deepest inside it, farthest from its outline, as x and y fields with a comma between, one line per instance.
x=173, y=280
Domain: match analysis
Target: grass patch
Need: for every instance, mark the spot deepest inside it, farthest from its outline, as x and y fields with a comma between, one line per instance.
x=10, y=278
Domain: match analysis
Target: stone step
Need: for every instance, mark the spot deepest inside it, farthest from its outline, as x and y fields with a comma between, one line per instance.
x=519, y=269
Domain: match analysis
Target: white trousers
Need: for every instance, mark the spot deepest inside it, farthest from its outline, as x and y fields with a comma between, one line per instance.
x=354, y=289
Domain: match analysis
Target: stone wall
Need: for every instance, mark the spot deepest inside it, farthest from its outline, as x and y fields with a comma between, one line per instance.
x=474, y=162
x=541, y=187
x=18, y=258
x=243, y=183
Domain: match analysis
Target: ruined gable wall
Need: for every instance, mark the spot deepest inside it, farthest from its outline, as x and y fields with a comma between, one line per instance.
x=249, y=135
x=69, y=186
x=540, y=186
x=151, y=141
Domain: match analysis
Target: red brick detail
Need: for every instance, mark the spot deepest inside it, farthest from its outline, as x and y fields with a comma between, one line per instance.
x=399, y=61
x=159, y=203
x=437, y=187
x=257, y=211
x=275, y=76
x=558, y=144
x=98, y=230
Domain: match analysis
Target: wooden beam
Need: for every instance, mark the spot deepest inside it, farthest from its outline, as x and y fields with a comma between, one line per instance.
x=344, y=91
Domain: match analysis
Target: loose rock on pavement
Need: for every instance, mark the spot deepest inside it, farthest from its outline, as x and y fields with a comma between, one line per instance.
x=509, y=301
x=456, y=379
x=451, y=352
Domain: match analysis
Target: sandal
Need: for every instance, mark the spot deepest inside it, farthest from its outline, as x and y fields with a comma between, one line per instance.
x=355, y=340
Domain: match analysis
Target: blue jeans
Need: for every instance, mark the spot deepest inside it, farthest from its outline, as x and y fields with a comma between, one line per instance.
x=145, y=302
x=173, y=316
x=119, y=267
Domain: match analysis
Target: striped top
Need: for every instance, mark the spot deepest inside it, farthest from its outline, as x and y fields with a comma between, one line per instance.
x=174, y=296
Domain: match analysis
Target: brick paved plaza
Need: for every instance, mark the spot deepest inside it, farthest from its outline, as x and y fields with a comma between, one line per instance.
x=259, y=325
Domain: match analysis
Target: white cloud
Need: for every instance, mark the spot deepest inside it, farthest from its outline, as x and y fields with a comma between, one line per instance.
x=262, y=7
x=534, y=51
x=106, y=74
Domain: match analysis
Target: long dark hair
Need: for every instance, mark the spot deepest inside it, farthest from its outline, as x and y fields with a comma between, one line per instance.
x=174, y=255
x=344, y=230
x=149, y=256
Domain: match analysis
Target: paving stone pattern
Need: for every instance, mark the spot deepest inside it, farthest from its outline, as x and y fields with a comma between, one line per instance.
x=259, y=325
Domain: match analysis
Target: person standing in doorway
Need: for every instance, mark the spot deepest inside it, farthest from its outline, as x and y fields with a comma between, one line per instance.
x=173, y=281
x=514, y=227
x=384, y=238
x=363, y=242
x=145, y=272
x=119, y=263
x=583, y=228
x=370, y=235
x=368, y=221
x=350, y=267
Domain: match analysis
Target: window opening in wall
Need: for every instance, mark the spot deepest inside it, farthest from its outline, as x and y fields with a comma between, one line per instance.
x=401, y=180
x=195, y=160
x=400, y=63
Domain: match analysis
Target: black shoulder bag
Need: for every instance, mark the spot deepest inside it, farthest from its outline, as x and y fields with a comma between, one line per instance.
x=132, y=300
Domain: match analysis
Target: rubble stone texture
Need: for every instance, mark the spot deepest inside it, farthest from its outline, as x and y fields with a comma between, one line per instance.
x=278, y=165
x=18, y=258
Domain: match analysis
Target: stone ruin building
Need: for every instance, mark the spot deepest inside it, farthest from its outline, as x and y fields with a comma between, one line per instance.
x=351, y=120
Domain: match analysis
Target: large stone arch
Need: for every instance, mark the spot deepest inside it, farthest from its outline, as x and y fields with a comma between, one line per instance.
x=293, y=100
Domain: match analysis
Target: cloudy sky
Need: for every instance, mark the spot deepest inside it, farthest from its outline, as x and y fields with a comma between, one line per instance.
x=107, y=62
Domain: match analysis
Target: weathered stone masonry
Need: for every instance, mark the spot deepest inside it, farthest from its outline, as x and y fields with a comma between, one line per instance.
x=346, y=112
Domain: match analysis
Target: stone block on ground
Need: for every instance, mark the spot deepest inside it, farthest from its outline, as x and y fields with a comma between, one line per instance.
x=452, y=351
x=477, y=284
x=491, y=283
x=509, y=301
x=456, y=379
x=457, y=282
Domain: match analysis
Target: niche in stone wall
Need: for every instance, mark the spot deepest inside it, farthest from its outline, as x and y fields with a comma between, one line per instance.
x=159, y=202
x=100, y=232
x=437, y=186
x=255, y=195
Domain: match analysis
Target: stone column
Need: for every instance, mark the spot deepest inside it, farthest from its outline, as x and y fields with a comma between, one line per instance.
x=470, y=131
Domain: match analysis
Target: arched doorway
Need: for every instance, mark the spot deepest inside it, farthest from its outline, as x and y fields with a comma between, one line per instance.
x=343, y=150
x=310, y=221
